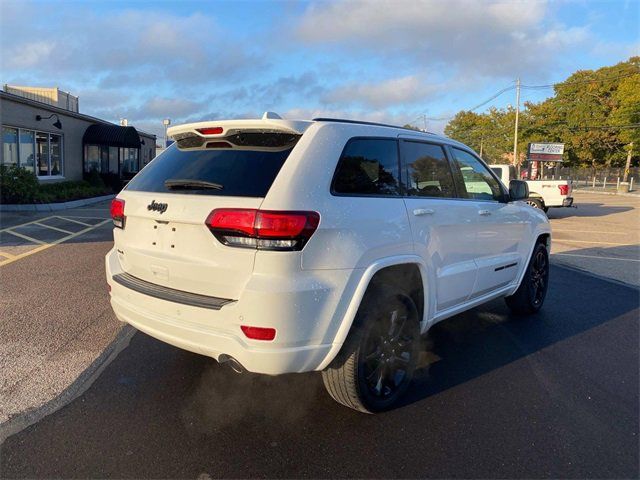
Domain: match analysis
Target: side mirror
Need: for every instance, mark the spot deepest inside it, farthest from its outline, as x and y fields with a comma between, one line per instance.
x=518, y=190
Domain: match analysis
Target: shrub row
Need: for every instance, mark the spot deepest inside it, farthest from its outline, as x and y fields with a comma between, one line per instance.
x=18, y=185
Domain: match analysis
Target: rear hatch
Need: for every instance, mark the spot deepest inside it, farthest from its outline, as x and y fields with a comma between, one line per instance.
x=212, y=165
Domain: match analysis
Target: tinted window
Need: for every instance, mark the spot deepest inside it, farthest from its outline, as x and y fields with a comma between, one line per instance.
x=242, y=173
x=477, y=182
x=368, y=167
x=427, y=171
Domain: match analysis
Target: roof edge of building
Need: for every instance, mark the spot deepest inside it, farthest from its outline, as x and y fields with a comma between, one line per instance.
x=62, y=111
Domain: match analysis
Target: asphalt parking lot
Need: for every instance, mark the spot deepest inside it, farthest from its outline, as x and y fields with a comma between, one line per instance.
x=551, y=396
x=601, y=236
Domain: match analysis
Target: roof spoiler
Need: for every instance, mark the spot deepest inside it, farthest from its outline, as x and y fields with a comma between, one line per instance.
x=270, y=132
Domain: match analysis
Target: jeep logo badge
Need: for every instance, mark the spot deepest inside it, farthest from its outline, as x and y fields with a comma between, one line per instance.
x=158, y=207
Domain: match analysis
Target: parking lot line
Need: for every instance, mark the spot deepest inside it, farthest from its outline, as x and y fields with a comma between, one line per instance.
x=5, y=254
x=52, y=228
x=43, y=245
x=563, y=240
x=596, y=256
x=589, y=231
x=25, y=237
x=74, y=221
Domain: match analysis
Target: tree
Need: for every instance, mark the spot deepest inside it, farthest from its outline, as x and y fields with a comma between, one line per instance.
x=595, y=113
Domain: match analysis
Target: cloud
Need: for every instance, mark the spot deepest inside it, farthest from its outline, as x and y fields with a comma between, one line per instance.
x=403, y=90
x=474, y=37
x=147, y=47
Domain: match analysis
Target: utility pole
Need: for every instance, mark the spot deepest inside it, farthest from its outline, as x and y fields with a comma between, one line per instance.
x=481, y=142
x=424, y=118
x=515, y=134
x=628, y=165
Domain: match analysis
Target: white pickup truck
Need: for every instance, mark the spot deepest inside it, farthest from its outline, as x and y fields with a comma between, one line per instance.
x=543, y=194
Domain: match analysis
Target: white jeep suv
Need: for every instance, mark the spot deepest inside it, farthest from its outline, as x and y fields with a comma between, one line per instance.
x=330, y=245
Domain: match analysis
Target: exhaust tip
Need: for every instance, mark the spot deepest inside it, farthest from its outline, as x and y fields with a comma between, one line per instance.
x=234, y=364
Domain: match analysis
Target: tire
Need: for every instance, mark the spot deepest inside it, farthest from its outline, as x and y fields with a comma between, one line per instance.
x=377, y=361
x=535, y=203
x=529, y=297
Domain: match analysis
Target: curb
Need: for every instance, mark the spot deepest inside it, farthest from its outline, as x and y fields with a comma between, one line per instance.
x=25, y=419
x=637, y=195
x=50, y=207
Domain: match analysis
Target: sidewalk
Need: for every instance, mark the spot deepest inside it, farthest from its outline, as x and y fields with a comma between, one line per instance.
x=56, y=324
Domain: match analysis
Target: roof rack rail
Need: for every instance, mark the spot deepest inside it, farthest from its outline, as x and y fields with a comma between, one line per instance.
x=360, y=122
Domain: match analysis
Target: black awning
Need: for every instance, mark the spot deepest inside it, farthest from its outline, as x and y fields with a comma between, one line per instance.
x=113, y=135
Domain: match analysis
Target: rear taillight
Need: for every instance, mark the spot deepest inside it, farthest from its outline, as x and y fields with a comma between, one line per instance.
x=259, y=333
x=117, y=212
x=564, y=189
x=262, y=229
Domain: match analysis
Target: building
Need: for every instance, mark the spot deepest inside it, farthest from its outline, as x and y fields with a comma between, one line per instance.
x=44, y=132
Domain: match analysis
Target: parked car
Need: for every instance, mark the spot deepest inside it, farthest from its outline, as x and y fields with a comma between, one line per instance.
x=543, y=194
x=329, y=245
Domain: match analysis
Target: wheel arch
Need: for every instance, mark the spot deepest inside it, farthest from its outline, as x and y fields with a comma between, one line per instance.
x=384, y=270
x=541, y=236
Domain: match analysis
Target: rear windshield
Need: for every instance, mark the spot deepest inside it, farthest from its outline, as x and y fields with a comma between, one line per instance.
x=238, y=173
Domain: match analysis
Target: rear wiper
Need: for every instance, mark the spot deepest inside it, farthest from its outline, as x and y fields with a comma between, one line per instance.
x=185, y=184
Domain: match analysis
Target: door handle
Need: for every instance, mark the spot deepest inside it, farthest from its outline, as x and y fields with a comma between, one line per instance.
x=423, y=211
x=484, y=213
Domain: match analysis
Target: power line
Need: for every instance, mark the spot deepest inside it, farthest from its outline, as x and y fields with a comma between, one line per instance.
x=529, y=87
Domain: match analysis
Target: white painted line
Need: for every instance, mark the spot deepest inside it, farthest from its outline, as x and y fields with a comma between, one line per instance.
x=25, y=224
x=32, y=240
x=44, y=246
x=562, y=240
x=595, y=256
x=554, y=230
x=53, y=228
x=74, y=221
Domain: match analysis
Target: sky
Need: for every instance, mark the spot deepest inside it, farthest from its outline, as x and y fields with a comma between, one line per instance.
x=388, y=61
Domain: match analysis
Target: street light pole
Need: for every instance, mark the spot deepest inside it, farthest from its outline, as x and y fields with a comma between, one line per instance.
x=515, y=134
x=166, y=122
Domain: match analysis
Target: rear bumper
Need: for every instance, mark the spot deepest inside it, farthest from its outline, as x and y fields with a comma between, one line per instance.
x=305, y=315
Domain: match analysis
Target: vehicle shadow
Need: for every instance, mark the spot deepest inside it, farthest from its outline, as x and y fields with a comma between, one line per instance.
x=489, y=337
x=587, y=209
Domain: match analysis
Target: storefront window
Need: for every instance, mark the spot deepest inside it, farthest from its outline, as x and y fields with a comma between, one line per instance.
x=128, y=160
x=10, y=146
x=27, y=150
x=92, y=157
x=38, y=152
x=42, y=153
x=56, y=154
x=113, y=159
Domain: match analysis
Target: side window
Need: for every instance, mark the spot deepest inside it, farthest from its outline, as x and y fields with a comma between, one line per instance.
x=368, y=166
x=476, y=179
x=426, y=171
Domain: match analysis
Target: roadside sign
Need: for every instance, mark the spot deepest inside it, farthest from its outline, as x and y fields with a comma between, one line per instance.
x=545, y=152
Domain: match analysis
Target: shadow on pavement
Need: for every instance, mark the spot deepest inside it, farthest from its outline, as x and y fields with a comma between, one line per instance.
x=586, y=209
x=555, y=395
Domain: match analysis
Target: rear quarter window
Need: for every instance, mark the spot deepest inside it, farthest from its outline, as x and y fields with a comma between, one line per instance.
x=368, y=166
x=241, y=173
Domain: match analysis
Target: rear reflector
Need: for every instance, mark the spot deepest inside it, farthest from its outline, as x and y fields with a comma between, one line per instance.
x=210, y=130
x=259, y=333
x=564, y=189
x=117, y=212
x=262, y=229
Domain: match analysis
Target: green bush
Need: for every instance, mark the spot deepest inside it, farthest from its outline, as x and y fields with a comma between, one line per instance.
x=18, y=185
